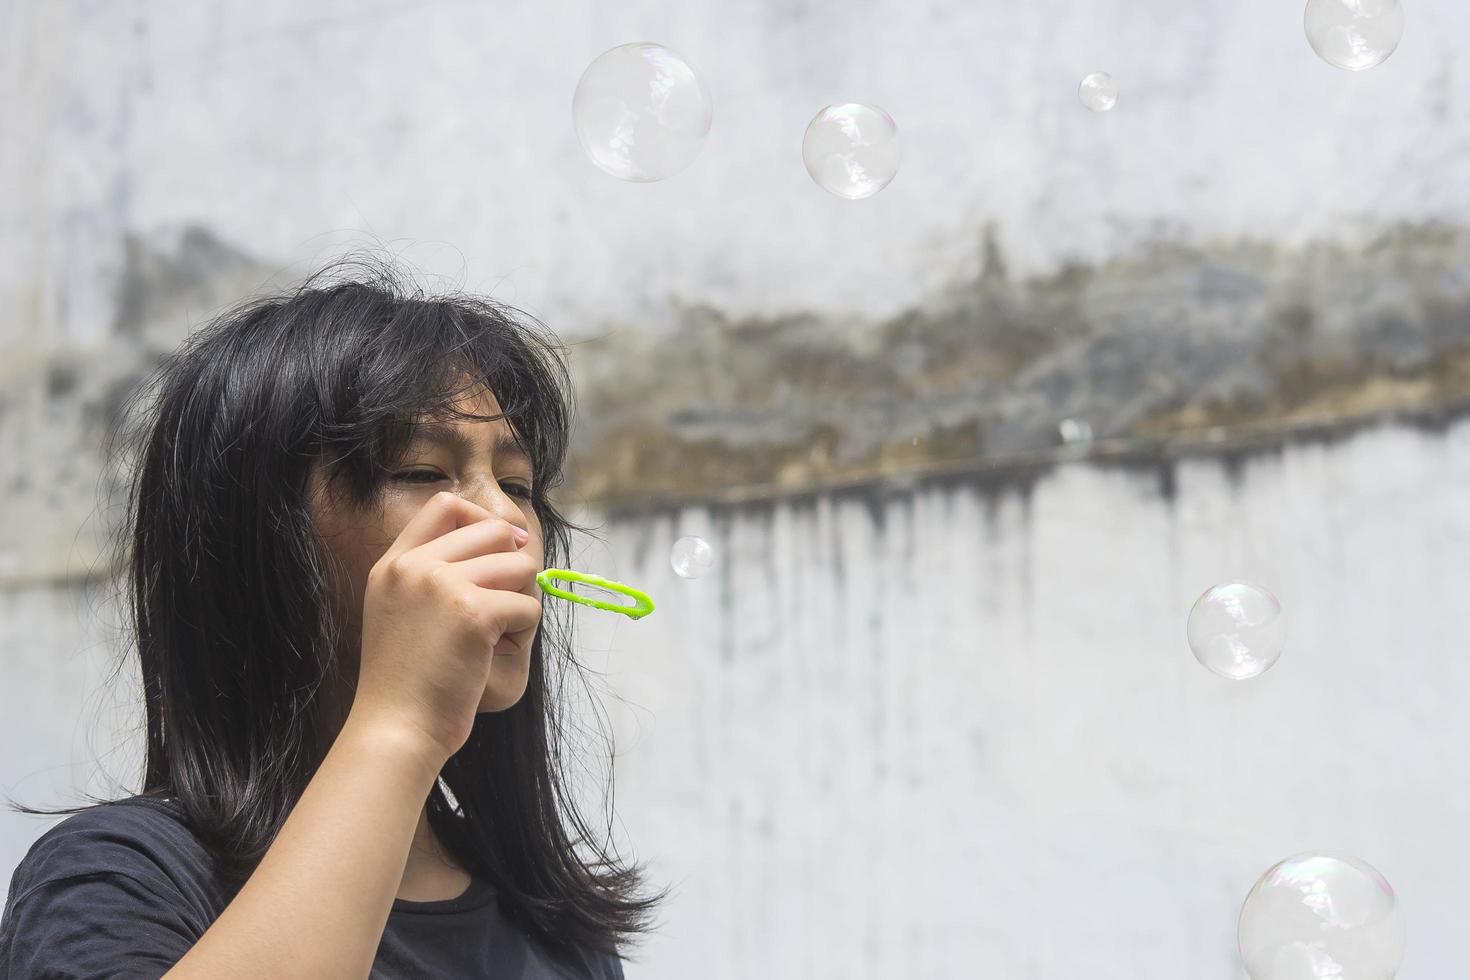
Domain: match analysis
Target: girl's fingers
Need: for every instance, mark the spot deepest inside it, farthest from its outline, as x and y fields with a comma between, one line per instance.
x=506, y=613
x=491, y=535
x=443, y=513
x=507, y=571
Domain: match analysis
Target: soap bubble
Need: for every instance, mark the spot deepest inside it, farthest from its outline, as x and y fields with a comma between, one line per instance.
x=1237, y=630
x=851, y=150
x=1075, y=431
x=692, y=557
x=1098, y=91
x=1321, y=917
x=641, y=112
x=1354, y=34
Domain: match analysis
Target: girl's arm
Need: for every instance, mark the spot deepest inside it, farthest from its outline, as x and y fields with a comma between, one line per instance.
x=450, y=588
x=316, y=905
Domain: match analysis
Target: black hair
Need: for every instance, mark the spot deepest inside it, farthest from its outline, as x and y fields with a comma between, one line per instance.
x=229, y=585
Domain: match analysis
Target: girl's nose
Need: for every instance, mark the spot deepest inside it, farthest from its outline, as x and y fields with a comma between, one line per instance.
x=502, y=505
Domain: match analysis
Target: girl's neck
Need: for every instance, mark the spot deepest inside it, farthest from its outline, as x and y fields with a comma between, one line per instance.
x=431, y=873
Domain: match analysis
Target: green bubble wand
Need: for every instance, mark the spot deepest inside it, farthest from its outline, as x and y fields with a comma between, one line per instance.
x=642, y=604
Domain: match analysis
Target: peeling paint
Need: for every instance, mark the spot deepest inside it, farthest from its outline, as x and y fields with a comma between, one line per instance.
x=1160, y=346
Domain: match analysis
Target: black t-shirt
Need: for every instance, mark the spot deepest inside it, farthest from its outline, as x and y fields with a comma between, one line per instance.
x=123, y=890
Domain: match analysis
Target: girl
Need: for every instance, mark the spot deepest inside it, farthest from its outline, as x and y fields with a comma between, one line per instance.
x=354, y=759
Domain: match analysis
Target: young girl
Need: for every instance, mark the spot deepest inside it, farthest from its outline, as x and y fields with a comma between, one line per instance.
x=354, y=757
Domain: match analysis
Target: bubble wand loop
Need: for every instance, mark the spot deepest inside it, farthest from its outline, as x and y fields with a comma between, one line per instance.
x=642, y=604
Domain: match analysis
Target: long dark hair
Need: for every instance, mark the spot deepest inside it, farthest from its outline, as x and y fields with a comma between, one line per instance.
x=229, y=586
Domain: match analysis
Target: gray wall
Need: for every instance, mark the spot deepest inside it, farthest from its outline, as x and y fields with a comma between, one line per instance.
x=285, y=127
x=1020, y=772
x=956, y=730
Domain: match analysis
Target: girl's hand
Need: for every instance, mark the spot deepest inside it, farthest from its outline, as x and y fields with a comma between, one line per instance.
x=453, y=591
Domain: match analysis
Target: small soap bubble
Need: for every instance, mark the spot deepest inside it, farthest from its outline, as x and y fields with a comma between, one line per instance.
x=852, y=150
x=1316, y=916
x=641, y=112
x=1354, y=34
x=1075, y=431
x=691, y=557
x=1237, y=630
x=1098, y=91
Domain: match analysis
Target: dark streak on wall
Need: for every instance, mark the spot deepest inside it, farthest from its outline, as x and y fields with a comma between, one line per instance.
x=1176, y=345
x=1231, y=350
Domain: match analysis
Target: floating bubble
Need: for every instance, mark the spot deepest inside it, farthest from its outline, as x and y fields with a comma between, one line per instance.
x=1098, y=91
x=1321, y=917
x=1075, y=431
x=852, y=150
x=1354, y=34
x=692, y=557
x=1237, y=630
x=641, y=112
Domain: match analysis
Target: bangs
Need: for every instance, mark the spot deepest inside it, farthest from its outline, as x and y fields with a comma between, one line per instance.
x=395, y=363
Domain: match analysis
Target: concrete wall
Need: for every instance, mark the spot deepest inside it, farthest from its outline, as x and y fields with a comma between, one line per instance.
x=956, y=730
x=285, y=127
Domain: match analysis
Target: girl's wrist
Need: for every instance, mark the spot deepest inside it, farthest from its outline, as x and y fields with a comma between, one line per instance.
x=396, y=743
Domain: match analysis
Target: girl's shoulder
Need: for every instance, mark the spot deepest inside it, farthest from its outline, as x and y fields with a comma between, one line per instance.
x=142, y=838
x=585, y=964
x=119, y=886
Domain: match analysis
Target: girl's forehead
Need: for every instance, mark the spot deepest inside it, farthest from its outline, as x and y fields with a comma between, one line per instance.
x=470, y=437
x=479, y=400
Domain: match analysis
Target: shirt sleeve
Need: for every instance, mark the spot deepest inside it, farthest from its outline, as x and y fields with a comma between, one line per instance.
x=97, y=926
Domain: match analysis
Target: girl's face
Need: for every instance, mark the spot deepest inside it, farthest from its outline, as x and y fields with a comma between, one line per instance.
x=477, y=460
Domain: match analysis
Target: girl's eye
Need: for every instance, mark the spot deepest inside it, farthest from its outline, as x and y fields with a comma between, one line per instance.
x=513, y=489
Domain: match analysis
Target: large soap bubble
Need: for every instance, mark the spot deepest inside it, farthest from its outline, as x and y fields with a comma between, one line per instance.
x=1098, y=91
x=641, y=112
x=852, y=150
x=1321, y=917
x=1237, y=630
x=1354, y=34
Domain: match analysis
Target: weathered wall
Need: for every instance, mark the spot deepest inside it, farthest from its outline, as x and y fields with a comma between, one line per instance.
x=956, y=730
x=281, y=126
x=1250, y=234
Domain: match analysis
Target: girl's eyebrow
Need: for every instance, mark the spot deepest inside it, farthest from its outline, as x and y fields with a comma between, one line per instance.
x=452, y=437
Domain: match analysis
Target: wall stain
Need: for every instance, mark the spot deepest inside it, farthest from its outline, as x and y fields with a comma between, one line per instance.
x=1176, y=349
x=1172, y=351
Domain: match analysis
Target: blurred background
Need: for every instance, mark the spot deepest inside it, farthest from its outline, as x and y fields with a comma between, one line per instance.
x=966, y=451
